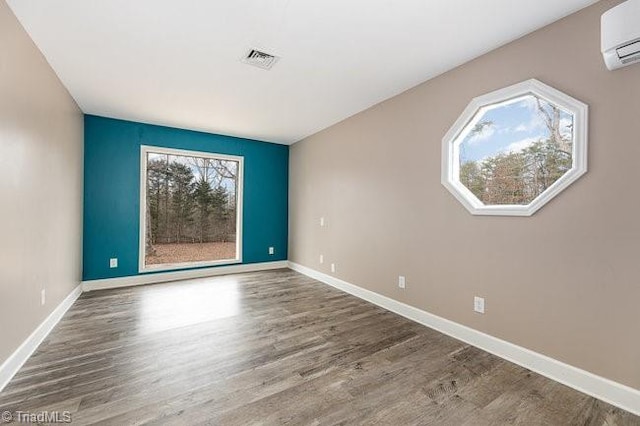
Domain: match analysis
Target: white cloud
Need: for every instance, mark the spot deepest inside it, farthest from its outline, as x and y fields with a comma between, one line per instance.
x=513, y=147
x=518, y=145
x=534, y=123
x=529, y=102
x=482, y=135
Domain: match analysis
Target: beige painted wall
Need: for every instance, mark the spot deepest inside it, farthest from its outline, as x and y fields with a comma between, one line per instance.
x=41, y=145
x=565, y=282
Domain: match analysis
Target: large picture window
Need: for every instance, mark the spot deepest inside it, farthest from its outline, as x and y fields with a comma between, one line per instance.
x=190, y=209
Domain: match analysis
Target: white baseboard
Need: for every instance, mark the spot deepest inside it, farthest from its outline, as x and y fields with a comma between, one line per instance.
x=154, y=278
x=11, y=366
x=604, y=389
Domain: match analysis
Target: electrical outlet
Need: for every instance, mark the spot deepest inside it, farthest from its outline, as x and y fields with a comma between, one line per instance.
x=333, y=267
x=402, y=282
x=321, y=259
x=43, y=297
x=113, y=262
x=271, y=250
x=478, y=304
x=322, y=221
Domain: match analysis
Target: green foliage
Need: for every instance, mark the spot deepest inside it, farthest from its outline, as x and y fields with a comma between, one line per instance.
x=203, y=198
x=221, y=211
x=517, y=177
x=185, y=209
x=157, y=196
x=472, y=177
x=182, y=202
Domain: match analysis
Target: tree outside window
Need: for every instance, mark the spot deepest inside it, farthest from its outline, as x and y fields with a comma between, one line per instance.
x=192, y=208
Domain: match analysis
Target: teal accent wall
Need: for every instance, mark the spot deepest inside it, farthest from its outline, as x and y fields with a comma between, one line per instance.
x=112, y=191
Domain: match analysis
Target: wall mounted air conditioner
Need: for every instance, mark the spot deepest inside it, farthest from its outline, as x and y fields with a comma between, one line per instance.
x=620, y=27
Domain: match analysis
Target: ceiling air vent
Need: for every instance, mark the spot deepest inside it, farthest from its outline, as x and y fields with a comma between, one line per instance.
x=260, y=59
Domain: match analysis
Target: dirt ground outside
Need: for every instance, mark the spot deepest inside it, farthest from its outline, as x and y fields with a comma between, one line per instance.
x=192, y=252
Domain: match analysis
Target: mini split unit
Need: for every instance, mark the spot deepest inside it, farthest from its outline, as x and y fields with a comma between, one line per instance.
x=620, y=28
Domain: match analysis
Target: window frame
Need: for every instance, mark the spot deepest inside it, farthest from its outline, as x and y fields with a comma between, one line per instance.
x=455, y=135
x=146, y=149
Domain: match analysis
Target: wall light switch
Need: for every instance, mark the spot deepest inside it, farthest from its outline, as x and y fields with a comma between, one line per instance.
x=402, y=282
x=333, y=267
x=322, y=221
x=271, y=250
x=43, y=297
x=321, y=258
x=478, y=304
x=113, y=262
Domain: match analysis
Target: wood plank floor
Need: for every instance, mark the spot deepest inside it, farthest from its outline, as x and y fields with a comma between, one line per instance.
x=276, y=348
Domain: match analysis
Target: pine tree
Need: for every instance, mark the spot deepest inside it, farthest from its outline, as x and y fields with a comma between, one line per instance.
x=182, y=199
x=156, y=194
x=203, y=197
x=219, y=204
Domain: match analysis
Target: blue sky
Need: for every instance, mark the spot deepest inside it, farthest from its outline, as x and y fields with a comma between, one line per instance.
x=516, y=125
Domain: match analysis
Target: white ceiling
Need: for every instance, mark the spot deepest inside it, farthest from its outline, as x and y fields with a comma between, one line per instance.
x=177, y=62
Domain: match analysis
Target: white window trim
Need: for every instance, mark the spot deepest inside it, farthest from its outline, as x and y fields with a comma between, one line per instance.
x=144, y=150
x=450, y=142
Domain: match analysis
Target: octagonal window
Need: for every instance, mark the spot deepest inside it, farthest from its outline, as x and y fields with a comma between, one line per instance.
x=513, y=150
